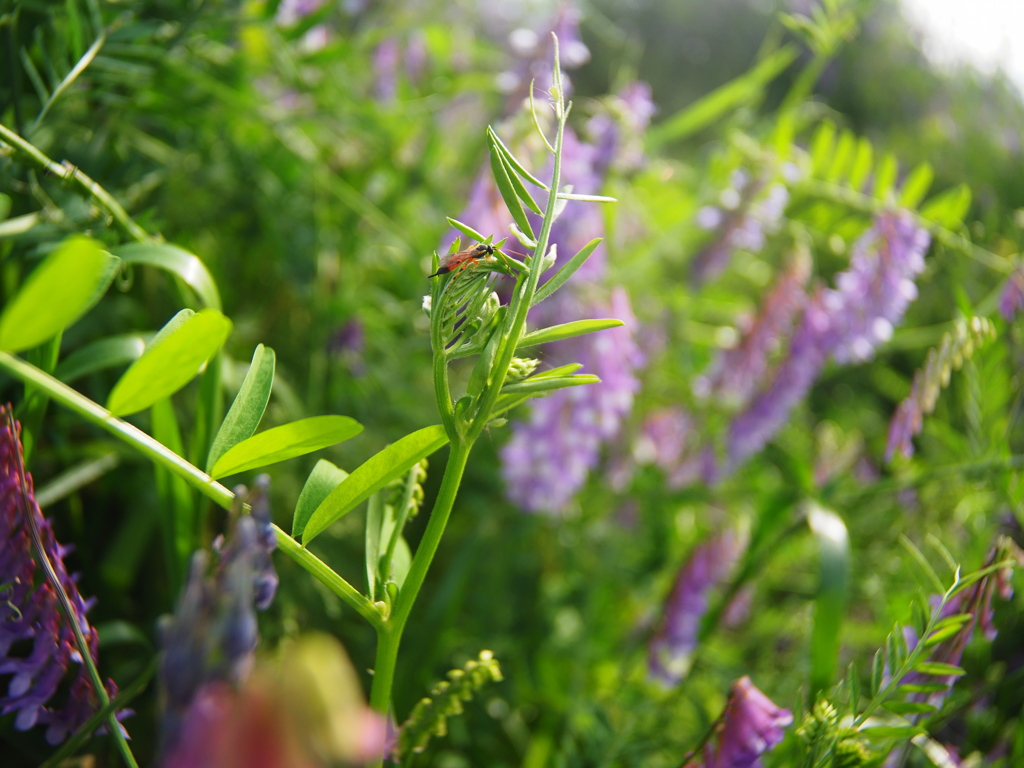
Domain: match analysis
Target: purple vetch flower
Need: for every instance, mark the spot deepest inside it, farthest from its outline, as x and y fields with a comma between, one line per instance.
x=846, y=322
x=290, y=12
x=549, y=457
x=533, y=49
x=670, y=652
x=213, y=634
x=387, y=58
x=37, y=643
x=751, y=725
x=737, y=372
x=749, y=210
x=1011, y=298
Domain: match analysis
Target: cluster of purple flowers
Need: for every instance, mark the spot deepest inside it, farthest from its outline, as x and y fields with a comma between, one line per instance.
x=749, y=210
x=1011, y=298
x=671, y=649
x=212, y=636
x=37, y=642
x=846, y=322
x=751, y=725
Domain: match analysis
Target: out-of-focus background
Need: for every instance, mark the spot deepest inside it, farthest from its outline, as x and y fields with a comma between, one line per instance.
x=309, y=152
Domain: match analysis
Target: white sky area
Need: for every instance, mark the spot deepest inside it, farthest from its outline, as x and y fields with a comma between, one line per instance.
x=986, y=33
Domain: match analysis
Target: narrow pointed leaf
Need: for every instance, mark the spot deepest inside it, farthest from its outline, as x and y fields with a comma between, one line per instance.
x=861, y=165
x=586, y=198
x=567, y=331
x=324, y=478
x=877, y=671
x=171, y=360
x=513, y=161
x=520, y=189
x=910, y=688
x=466, y=230
x=549, y=383
x=916, y=186
x=508, y=194
x=60, y=290
x=853, y=685
x=286, y=442
x=938, y=668
x=561, y=276
x=374, y=474
x=100, y=355
x=248, y=407
x=889, y=732
x=177, y=261
x=910, y=707
x=885, y=176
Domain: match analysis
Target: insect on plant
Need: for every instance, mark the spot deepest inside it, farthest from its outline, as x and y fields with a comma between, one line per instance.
x=462, y=259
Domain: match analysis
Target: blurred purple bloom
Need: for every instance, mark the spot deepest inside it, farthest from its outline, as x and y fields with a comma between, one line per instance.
x=750, y=726
x=1011, y=299
x=548, y=458
x=387, y=58
x=671, y=650
x=349, y=342
x=735, y=375
x=37, y=643
x=290, y=12
x=213, y=633
x=846, y=322
x=750, y=210
x=533, y=51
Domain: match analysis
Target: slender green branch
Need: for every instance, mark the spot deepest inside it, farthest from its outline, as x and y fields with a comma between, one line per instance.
x=70, y=615
x=873, y=205
x=78, y=69
x=403, y=512
x=326, y=576
x=172, y=462
x=69, y=172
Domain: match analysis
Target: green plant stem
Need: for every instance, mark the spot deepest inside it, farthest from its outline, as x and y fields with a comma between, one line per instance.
x=164, y=457
x=873, y=205
x=69, y=172
x=65, y=603
x=522, y=308
x=389, y=637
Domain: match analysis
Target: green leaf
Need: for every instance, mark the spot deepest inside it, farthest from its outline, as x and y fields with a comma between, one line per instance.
x=877, y=671
x=709, y=108
x=101, y=354
x=948, y=208
x=586, y=198
x=822, y=145
x=910, y=707
x=912, y=688
x=547, y=383
x=324, y=478
x=249, y=405
x=853, y=685
x=938, y=668
x=466, y=230
x=843, y=157
x=916, y=186
x=508, y=193
x=861, y=165
x=517, y=184
x=171, y=360
x=59, y=291
x=939, y=635
x=373, y=475
x=889, y=732
x=376, y=512
x=885, y=176
x=561, y=276
x=5, y=206
x=512, y=160
x=286, y=442
x=830, y=605
x=177, y=261
x=567, y=331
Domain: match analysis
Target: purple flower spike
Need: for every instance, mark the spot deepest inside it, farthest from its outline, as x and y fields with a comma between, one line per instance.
x=750, y=726
x=213, y=634
x=846, y=322
x=30, y=614
x=671, y=650
x=1011, y=299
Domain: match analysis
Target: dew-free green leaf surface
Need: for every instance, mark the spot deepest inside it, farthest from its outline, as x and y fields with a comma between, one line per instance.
x=170, y=361
x=177, y=261
x=374, y=474
x=286, y=442
x=248, y=407
x=59, y=291
x=324, y=478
